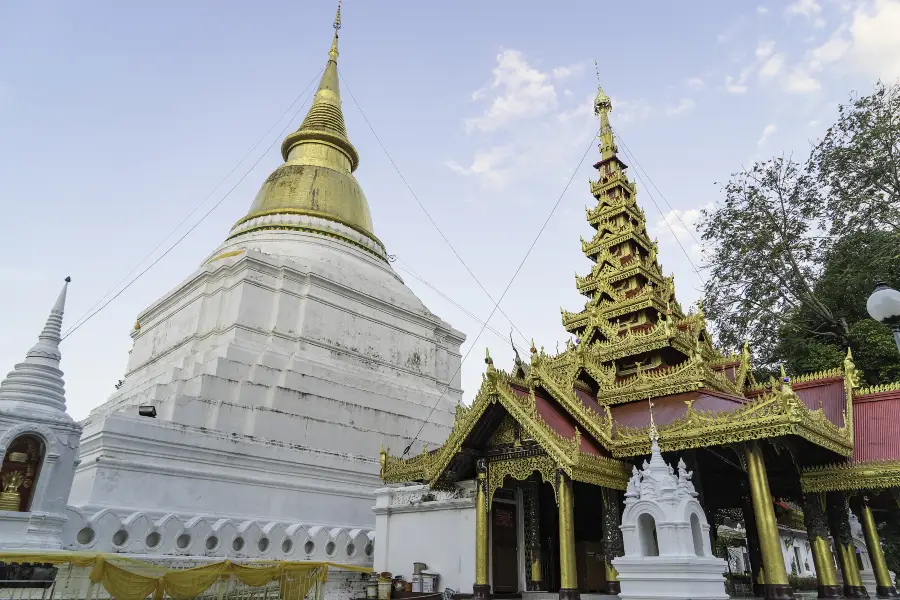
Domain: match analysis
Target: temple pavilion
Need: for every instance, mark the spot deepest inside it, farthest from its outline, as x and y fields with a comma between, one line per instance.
x=564, y=431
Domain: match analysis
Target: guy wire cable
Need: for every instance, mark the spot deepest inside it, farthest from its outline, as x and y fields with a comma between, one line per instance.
x=195, y=225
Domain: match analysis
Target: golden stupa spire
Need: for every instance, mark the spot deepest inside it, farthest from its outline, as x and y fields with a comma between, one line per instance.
x=333, y=53
x=316, y=179
x=602, y=108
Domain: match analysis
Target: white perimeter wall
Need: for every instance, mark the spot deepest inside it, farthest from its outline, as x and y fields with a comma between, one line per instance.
x=439, y=533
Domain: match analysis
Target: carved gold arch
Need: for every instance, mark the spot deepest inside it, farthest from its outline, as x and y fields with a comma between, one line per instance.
x=520, y=469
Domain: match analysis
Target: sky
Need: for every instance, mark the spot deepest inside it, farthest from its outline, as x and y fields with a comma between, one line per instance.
x=119, y=119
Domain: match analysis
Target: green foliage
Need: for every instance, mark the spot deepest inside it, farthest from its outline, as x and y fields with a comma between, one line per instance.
x=889, y=531
x=797, y=249
x=858, y=163
x=802, y=584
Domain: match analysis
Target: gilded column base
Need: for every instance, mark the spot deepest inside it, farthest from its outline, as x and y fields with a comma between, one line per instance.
x=481, y=591
x=831, y=591
x=777, y=591
x=886, y=591
x=613, y=587
x=855, y=591
x=569, y=594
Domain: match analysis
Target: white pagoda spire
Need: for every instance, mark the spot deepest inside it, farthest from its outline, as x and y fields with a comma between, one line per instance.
x=37, y=384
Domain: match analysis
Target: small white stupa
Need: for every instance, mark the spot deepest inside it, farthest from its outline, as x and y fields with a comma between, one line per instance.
x=666, y=535
x=39, y=444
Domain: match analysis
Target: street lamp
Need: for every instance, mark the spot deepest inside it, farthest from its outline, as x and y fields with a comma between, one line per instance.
x=884, y=305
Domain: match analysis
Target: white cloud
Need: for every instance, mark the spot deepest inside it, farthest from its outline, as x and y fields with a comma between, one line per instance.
x=762, y=11
x=799, y=81
x=813, y=123
x=767, y=132
x=809, y=9
x=831, y=51
x=765, y=49
x=695, y=83
x=772, y=66
x=737, y=85
x=685, y=105
x=632, y=111
x=487, y=165
x=520, y=92
x=566, y=72
x=875, y=46
x=681, y=225
x=541, y=124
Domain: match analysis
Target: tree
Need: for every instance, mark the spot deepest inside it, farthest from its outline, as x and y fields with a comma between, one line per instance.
x=851, y=267
x=857, y=163
x=795, y=249
x=766, y=256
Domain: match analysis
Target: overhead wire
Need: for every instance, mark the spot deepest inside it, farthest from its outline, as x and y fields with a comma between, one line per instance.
x=662, y=214
x=203, y=218
x=639, y=166
x=425, y=210
x=197, y=207
x=409, y=270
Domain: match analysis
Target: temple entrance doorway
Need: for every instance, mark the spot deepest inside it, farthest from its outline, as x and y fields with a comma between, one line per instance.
x=504, y=547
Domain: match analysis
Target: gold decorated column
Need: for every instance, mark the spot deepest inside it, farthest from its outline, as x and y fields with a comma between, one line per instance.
x=482, y=588
x=776, y=586
x=839, y=522
x=817, y=533
x=884, y=586
x=568, y=574
x=612, y=538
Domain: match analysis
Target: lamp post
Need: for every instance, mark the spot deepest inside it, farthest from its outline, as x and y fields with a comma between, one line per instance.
x=884, y=305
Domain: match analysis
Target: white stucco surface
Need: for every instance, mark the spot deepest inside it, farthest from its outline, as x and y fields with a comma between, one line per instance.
x=33, y=403
x=414, y=524
x=668, y=555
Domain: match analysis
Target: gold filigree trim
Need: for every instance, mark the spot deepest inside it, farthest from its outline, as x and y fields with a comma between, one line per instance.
x=877, y=389
x=771, y=415
x=851, y=476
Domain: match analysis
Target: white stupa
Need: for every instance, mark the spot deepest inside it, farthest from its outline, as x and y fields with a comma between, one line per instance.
x=666, y=537
x=38, y=442
x=277, y=370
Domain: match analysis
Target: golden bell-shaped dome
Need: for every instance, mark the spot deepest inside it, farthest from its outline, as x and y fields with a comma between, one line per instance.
x=316, y=178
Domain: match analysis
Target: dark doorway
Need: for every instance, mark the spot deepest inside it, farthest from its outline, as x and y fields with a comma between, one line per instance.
x=505, y=552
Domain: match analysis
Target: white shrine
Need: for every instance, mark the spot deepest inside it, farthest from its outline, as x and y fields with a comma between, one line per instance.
x=276, y=373
x=38, y=443
x=666, y=537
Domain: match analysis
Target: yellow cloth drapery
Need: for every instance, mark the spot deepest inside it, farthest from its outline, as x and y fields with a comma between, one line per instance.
x=132, y=579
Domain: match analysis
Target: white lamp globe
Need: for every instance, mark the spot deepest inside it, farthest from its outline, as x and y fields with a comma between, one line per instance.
x=884, y=304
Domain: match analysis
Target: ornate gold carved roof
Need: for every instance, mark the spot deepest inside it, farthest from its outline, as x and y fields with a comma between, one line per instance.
x=566, y=453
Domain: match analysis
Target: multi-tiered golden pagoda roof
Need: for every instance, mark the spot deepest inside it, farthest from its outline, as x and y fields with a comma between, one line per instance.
x=587, y=406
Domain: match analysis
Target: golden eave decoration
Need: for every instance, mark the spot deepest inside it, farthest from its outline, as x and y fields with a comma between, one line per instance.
x=564, y=453
x=770, y=415
x=838, y=477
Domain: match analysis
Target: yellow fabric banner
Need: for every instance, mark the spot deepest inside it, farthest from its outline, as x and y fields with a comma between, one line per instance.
x=118, y=574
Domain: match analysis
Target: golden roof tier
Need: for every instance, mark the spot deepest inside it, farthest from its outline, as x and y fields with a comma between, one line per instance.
x=316, y=179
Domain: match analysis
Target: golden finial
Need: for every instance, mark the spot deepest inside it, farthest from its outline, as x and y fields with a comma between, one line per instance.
x=654, y=433
x=487, y=357
x=333, y=53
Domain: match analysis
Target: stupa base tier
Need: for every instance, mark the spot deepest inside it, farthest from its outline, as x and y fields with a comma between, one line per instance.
x=671, y=578
x=133, y=464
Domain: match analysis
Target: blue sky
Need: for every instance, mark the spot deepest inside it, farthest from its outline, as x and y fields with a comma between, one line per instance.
x=117, y=119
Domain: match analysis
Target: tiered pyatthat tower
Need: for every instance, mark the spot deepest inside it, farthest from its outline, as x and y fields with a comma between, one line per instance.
x=632, y=322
